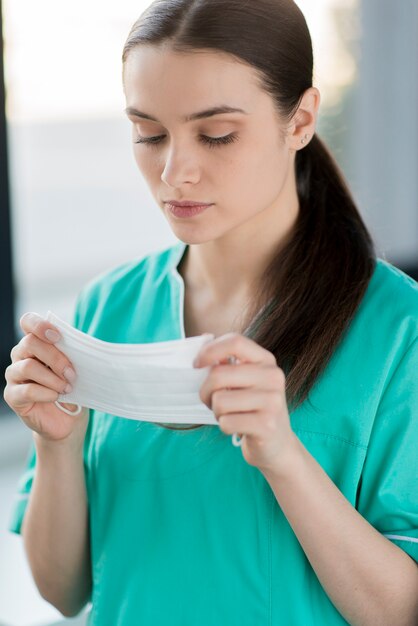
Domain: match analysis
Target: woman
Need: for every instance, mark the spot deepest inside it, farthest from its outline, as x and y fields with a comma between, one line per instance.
x=314, y=519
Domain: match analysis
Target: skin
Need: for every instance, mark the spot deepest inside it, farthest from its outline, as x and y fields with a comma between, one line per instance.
x=39, y=372
x=250, y=181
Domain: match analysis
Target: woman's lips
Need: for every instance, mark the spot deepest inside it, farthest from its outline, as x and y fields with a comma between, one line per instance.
x=187, y=211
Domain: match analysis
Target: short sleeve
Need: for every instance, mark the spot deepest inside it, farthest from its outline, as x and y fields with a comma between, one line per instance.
x=25, y=482
x=388, y=491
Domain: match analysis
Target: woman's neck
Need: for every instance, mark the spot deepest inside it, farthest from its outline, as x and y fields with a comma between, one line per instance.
x=229, y=267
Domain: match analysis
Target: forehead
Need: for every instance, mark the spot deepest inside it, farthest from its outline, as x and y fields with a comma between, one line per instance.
x=157, y=76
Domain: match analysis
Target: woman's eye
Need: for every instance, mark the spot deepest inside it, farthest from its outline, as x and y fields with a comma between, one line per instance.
x=149, y=140
x=210, y=141
x=218, y=141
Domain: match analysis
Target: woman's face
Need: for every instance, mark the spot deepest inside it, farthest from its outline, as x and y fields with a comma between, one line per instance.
x=244, y=178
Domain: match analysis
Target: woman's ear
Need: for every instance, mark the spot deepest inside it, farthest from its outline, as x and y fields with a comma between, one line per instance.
x=303, y=124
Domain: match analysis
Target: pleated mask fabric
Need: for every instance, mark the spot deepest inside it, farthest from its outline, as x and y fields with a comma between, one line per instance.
x=153, y=382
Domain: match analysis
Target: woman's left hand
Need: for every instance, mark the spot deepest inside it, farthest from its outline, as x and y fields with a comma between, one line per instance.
x=248, y=398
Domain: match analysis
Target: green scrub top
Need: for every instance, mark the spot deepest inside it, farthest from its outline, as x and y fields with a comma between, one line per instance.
x=183, y=530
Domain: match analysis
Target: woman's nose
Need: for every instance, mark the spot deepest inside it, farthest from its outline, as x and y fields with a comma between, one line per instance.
x=180, y=167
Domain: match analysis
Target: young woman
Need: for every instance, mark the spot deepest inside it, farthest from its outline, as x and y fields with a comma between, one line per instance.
x=313, y=520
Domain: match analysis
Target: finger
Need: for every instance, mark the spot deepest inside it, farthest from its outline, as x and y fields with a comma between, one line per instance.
x=29, y=370
x=34, y=323
x=244, y=348
x=31, y=346
x=246, y=375
x=234, y=401
x=242, y=423
x=19, y=396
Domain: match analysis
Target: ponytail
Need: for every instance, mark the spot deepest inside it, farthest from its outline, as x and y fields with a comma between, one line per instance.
x=315, y=284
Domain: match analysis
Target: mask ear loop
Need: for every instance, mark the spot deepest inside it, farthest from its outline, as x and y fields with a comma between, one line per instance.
x=236, y=438
x=76, y=412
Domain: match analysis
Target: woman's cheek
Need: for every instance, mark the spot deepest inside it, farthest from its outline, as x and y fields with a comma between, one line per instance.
x=147, y=163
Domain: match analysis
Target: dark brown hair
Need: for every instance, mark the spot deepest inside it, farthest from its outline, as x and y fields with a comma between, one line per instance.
x=316, y=282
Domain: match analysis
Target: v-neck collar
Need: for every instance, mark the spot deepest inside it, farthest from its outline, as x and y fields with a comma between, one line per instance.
x=178, y=251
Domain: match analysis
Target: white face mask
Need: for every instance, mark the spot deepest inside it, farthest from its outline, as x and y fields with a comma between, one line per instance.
x=154, y=382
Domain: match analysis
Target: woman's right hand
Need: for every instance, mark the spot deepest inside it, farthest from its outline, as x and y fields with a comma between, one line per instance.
x=38, y=374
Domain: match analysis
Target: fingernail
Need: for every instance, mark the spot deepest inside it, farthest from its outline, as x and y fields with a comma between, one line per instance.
x=27, y=316
x=70, y=374
x=68, y=388
x=196, y=362
x=52, y=335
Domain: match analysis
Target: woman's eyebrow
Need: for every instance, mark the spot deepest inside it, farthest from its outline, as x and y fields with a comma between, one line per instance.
x=193, y=116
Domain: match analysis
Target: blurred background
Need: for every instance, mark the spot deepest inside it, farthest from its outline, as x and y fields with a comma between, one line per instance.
x=73, y=204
